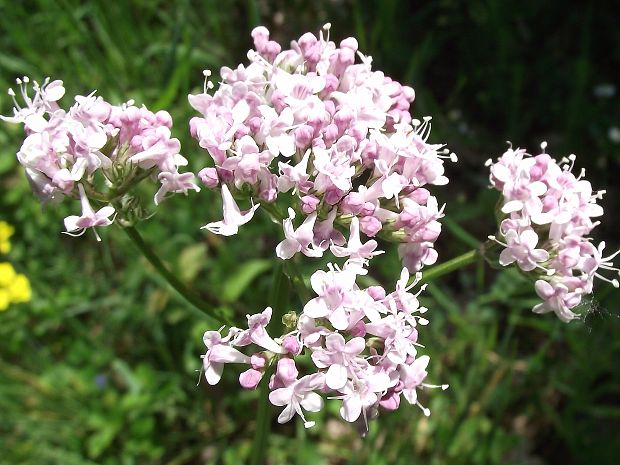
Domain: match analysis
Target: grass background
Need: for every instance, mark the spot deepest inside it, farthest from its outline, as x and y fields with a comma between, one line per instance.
x=101, y=366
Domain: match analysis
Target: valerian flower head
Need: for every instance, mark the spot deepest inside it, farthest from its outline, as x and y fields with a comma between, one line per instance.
x=546, y=217
x=94, y=151
x=317, y=122
x=355, y=346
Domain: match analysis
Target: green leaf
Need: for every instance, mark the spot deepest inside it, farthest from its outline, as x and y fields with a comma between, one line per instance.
x=7, y=163
x=191, y=261
x=235, y=285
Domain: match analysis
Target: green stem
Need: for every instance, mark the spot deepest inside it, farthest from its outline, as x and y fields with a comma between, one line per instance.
x=297, y=280
x=133, y=181
x=449, y=266
x=279, y=299
x=272, y=210
x=263, y=418
x=205, y=308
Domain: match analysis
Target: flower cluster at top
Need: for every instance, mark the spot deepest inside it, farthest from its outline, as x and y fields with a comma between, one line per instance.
x=65, y=150
x=14, y=287
x=546, y=219
x=338, y=136
x=361, y=343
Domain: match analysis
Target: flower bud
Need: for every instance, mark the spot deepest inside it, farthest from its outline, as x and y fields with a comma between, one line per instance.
x=330, y=133
x=163, y=117
x=358, y=330
x=287, y=371
x=309, y=204
x=390, y=401
x=331, y=83
x=350, y=43
x=376, y=292
x=370, y=225
x=342, y=118
x=352, y=204
x=303, y=136
x=368, y=209
x=250, y=378
x=333, y=196
x=291, y=345
x=257, y=361
x=209, y=177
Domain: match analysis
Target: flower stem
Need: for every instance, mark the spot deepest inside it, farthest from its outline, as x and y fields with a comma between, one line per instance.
x=206, y=308
x=279, y=299
x=272, y=210
x=125, y=187
x=263, y=418
x=450, y=266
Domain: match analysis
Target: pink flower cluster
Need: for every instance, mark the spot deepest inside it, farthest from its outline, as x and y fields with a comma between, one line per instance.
x=64, y=150
x=547, y=216
x=362, y=343
x=317, y=122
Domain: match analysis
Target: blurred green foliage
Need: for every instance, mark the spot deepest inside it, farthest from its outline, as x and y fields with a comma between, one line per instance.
x=101, y=366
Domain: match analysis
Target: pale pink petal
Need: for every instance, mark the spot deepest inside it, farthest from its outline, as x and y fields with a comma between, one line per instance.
x=336, y=376
x=411, y=395
x=355, y=346
x=286, y=414
x=335, y=343
x=512, y=206
x=312, y=402
x=316, y=308
x=506, y=257
x=544, y=289
x=226, y=354
x=351, y=408
x=213, y=372
x=529, y=238
x=281, y=396
x=287, y=248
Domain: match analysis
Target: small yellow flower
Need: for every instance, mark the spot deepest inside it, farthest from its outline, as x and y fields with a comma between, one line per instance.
x=4, y=300
x=19, y=289
x=7, y=274
x=6, y=231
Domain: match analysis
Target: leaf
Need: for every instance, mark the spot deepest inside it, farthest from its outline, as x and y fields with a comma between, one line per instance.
x=103, y=437
x=191, y=261
x=7, y=163
x=235, y=285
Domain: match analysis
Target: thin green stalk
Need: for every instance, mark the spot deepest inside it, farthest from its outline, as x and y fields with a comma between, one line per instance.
x=449, y=266
x=133, y=181
x=273, y=211
x=263, y=418
x=297, y=280
x=460, y=233
x=206, y=308
x=279, y=299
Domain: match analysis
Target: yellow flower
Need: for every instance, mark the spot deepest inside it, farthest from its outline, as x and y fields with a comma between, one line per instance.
x=4, y=300
x=19, y=289
x=14, y=288
x=6, y=231
x=7, y=274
